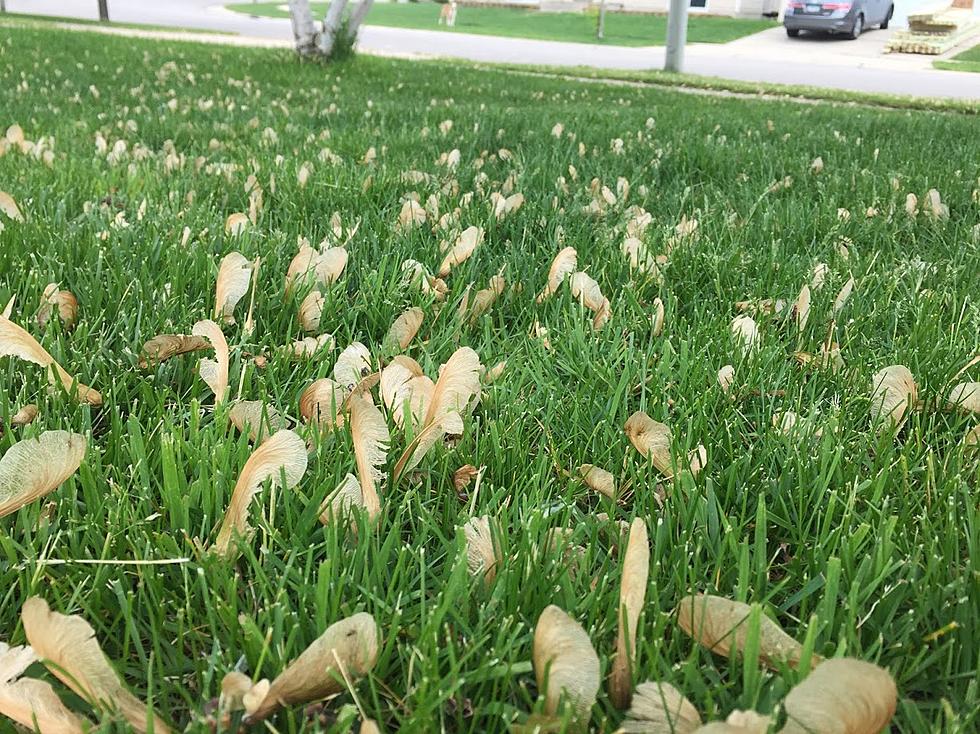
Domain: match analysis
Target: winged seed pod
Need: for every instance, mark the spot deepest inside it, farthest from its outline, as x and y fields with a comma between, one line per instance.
x=214, y=372
x=164, y=346
x=15, y=342
x=57, y=301
x=68, y=647
x=458, y=384
x=33, y=703
x=893, y=394
x=632, y=591
x=353, y=364
x=657, y=320
x=802, y=307
x=564, y=657
x=598, y=479
x=234, y=276
x=841, y=695
x=462, y=250
x=403, y=330
x=256, y=418
x=403, y=384
x=283, y=456
x=9, y=207
x=965, y=396
x=35, y=467
x=447, y=424
x=347, y=650
x=368, y=726
x=311, y=311
x=721, y=624
x=370, y=433
x=346, y=496
x=9, y=308
x=726, y=377
x=587, y=291
x=564, y=264
x=746, y=332
x=482, y=553
x=739, y=722
x=322, y=403
x=843, y=296
x=319, y=268
x=236, y=224
x=652, y=439
x=25, y=416
x=307, y=347
x=659, y=708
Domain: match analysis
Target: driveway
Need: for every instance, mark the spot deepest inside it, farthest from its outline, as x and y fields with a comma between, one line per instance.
x=765, y=57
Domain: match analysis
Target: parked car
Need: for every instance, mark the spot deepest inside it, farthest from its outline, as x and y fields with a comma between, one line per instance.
x=848, y=18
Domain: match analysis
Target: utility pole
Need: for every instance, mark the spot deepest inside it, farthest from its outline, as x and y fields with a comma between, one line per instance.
x=676, y=35
x=600, y=29
x=104, y=11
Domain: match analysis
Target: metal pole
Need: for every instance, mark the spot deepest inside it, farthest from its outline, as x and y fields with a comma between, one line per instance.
x=104, y=10
x=676, y=35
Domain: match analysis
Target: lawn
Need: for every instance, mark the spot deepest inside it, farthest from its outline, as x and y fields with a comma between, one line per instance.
x=968, y=60
x=621, y=29
x=858, y=538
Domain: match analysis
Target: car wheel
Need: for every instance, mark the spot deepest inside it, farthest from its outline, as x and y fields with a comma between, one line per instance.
x=857, y=28
x=793, y=32
x=884, y=23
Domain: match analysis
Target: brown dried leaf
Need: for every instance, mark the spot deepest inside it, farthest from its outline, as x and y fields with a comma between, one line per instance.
x=347, y=649
x=564, y=657
x=68, y=647
x=632, y=591
x=463, y=476
x=659, y=708
x=841, y=695
x=721, y=624
x=164, y=346
x=283, y=455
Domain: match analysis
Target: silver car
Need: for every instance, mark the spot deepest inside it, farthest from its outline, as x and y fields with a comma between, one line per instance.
x=847, y=18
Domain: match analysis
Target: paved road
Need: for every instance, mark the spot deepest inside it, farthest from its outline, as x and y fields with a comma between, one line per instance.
x=769, y=56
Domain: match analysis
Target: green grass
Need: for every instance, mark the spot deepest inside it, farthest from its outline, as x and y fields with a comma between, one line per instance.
x=621, y=29
x=31, y=19
x=867, y=544
x=710, y=84
x=968, y=60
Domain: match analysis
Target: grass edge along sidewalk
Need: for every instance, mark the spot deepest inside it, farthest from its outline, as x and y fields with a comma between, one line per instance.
x=621, y=29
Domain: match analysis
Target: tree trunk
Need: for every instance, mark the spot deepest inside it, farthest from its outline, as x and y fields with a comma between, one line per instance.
x=358, y=16
x=601, y=27
x=332, y=23
x=104, y=11
x=304, y=31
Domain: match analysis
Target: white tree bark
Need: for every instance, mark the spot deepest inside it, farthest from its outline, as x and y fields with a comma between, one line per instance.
x=358, y=16
x=304, y=30
x=310, y=40
x=332, y=23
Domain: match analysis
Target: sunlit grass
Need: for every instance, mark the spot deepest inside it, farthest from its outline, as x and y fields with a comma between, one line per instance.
x=866, y=542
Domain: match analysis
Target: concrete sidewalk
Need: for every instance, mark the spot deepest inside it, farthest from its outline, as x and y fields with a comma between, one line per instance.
x=764, y=57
